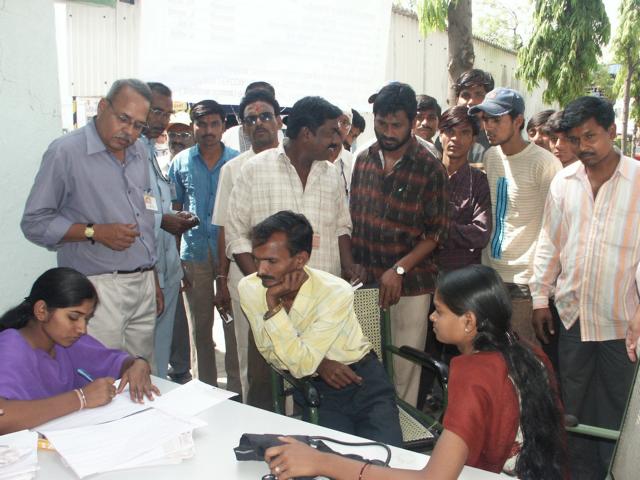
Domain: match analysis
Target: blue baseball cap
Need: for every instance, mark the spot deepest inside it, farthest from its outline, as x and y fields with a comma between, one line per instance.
x=500, y=101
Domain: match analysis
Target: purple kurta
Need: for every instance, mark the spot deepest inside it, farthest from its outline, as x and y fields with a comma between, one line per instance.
x=31, y=374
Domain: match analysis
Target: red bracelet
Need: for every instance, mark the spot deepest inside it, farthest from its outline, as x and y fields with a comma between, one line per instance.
x=366, y=464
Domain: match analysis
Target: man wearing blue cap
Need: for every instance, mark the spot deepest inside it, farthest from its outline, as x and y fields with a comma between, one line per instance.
x=519, y=174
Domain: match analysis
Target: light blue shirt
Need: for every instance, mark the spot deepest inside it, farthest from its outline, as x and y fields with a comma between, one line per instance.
x=80, y=181
x=196, y=188
x=168, y=264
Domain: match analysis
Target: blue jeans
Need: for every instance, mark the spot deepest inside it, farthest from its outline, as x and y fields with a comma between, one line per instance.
x=368, y=410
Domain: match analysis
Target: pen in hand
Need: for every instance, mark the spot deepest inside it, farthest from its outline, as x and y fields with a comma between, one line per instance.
x=83, y=373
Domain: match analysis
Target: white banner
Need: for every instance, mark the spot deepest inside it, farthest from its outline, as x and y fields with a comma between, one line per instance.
x=214, y=48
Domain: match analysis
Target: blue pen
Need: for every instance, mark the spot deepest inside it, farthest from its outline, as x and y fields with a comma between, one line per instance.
x=83, y=373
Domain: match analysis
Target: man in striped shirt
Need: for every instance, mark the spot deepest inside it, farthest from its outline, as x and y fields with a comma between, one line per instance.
x=519, y=174
x=588, y=252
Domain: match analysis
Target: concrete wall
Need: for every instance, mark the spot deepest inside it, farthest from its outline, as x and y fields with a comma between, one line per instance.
x=29, y=120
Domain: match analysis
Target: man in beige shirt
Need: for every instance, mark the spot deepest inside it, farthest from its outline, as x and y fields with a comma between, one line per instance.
x=260, y=116
x=519, y=175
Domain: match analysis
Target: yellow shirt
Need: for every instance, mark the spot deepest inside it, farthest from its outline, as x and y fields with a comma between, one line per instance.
x=321, y=324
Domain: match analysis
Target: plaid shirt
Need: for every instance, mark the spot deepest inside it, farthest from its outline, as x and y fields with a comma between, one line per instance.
x=392, y=213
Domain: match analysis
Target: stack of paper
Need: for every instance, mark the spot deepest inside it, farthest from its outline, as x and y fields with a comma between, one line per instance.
x=148, y=438
x=18, y=455
x=125, y=435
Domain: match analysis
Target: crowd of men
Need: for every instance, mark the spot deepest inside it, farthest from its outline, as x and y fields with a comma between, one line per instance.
x=294, y=201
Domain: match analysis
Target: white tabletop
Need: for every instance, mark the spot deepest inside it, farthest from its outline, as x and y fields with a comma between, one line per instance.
x=215, y=458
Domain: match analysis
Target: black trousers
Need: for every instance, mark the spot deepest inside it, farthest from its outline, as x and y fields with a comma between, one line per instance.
x=595, y=378
x=368, y=410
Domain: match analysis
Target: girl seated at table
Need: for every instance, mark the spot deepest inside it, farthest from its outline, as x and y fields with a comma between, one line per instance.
x=43, y=344
x=503, y=412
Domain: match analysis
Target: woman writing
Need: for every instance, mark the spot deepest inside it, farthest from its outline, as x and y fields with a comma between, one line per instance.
x=503, y=413
x=43, y=346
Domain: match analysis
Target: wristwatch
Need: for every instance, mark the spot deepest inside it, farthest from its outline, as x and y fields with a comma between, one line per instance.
x=89, y=233
x=399, y=269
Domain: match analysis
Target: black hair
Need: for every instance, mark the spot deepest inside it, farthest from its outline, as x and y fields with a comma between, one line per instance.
x=475, y=76
x=479, y=289
x=513, y=114
x=260, y=85
x=137, y=85
x=294, y=225
x=396, y=97
x=207, y=107
x=426, y=102
x=584, y=108
x=538, y=119
x=59, y=287
x=358, y=121
x=554, y=123
x=310, y=112
x=457, y=115
x=159, y=88
x=258, y=96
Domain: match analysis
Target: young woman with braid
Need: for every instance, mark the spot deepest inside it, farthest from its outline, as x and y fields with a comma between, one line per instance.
x=503, y=412
x=43, y=343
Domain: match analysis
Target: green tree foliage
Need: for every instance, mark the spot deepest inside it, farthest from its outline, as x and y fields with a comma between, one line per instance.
x=567, y=40
x=626, y=50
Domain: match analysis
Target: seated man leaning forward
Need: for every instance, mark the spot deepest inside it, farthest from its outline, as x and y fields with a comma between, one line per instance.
x=303, y=321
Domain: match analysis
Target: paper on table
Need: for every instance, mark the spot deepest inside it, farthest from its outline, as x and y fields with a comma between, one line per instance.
x=171, y=453
x=27, y=463
x=191, y=399
x=121, y=406
x=100, y=448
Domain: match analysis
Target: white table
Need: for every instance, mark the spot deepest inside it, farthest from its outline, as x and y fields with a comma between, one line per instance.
x=215, y=458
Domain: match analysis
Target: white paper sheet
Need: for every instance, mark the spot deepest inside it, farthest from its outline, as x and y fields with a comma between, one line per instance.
x=125, y=442
x=191, y=399
x=25, y=445
x=121, y=406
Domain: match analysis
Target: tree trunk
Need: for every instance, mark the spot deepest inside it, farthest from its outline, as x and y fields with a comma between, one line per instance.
x=625, y=106
x=461, y=56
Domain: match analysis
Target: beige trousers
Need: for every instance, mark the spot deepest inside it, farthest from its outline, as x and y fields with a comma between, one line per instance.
x=409, y=321
x=126, y=314
x=199, y=306
x=241, y=325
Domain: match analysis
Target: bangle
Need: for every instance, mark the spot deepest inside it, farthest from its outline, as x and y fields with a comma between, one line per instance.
x=271, y=313
x=364, y=467
x=220, y=276
x=81, y=397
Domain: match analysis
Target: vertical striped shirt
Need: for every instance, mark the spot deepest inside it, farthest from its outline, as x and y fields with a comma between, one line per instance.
x=519, y=184
x=589, y=249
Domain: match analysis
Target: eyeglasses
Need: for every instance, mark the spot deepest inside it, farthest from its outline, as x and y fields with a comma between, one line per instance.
x=125, y=119
x=344, y=123
x=158, y=112
x=263, y=117
x=180, y=135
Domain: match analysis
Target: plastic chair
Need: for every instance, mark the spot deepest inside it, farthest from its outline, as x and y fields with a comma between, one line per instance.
x=419, y=430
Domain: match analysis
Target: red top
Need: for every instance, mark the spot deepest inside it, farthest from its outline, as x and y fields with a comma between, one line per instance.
x=483, y=408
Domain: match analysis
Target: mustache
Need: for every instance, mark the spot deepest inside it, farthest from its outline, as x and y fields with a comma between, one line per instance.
x=333, y=146
x=266, y=277
x=582, y=155
x=125, y=137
